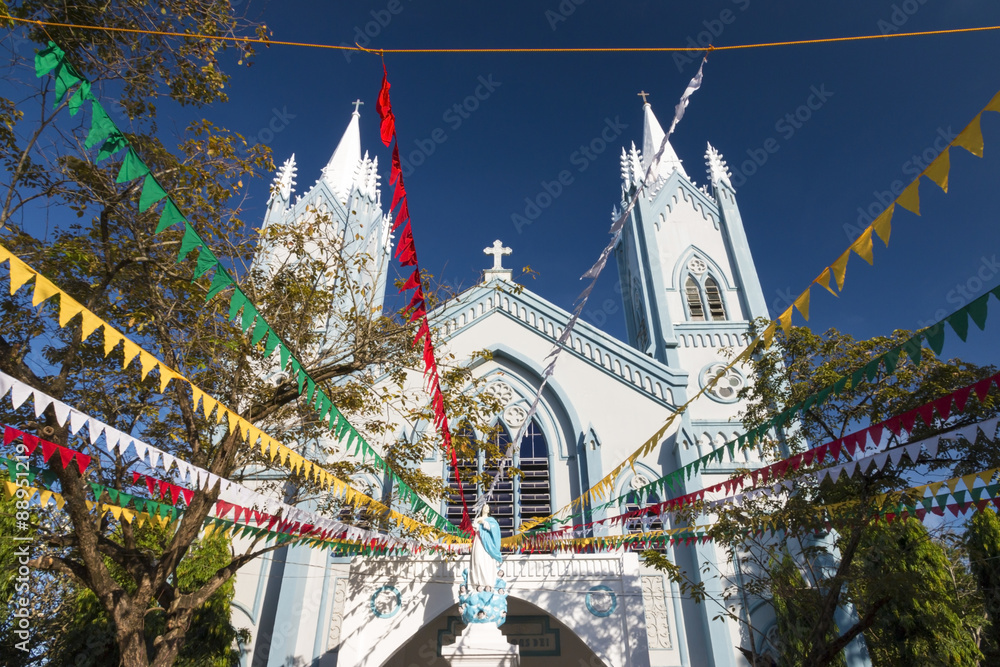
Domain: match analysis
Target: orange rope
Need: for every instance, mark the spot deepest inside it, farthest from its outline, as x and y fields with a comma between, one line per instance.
x=585, y=49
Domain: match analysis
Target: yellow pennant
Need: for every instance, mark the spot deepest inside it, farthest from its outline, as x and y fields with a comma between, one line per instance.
x=44, y=496
x=802, y=303
x=234, y=420
x=130, y=350
x=111, y=339
x=60, y=501
x=839, y=268
x=208, y=405
x=147, y=361
x=768, y=334
x=19, y=274
x=909, y=198
x=44, y=290
x=969, y=480
x=89, y=324
x=824, y=281
x=785, y=320
x=994, y=105
x=166, y=375
x=935, y=487
x=938, y=170
x=68, y=309
x=883, y=224
x=863, y=246
x=971, y=138
x=952, y=483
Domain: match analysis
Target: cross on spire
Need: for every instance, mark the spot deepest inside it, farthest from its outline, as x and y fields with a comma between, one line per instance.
x=356, y=104
x=498, y=251
x=643, y=94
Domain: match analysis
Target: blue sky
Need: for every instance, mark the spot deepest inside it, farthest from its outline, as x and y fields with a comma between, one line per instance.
x=885, y=101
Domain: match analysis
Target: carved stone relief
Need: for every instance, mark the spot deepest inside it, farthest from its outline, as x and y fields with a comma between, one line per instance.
x=654, y=600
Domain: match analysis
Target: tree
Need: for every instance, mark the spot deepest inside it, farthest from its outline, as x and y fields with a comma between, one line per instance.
x=982, y=541
x=860, y=565
x=110, y=259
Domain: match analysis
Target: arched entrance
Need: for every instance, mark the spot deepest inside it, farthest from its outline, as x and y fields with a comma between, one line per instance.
x=544, y=641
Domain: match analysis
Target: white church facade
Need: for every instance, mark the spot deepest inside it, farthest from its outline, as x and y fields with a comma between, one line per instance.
x=690, y=289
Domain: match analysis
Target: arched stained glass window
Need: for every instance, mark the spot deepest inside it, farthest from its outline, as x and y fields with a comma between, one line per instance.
x=514, y=500
x=696, y=309
x=715, y=306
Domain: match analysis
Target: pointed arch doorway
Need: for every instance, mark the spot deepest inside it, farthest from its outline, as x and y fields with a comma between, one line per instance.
x=544, y=641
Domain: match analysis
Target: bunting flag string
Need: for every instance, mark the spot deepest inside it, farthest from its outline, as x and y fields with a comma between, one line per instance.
x=934, y=335
x=593, y=273
x=950, y=404
x=970, y=139
x=241, y=309
x=119, y=442
x=406, y=253
x=876, y=456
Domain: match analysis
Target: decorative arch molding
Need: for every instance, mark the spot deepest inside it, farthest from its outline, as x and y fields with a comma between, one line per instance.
x=624, y=482
x=713, y=269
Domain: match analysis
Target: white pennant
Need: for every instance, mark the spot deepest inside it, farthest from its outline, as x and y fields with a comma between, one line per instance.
x=896, y=455
x=76, y=421
x=94, y=429
x=880, y=460
x=19, y=393
x=6, y=382
x=112, y=437
x=41, y=402
x=61, y=410
x=931, y=445
x=913, y=451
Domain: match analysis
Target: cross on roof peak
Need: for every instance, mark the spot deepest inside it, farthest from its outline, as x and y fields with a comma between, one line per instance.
x=356, y=104
x=498, y=251
x=643, y=94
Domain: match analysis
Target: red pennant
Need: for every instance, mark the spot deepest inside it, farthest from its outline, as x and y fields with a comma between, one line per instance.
x=807, y=456
x=412, y=282
x=404, y=245
x=31, y=444
x=780, y=468
x=908, y=419
x=982, y=388
x=66, y=456
x=834, y=449
x=48, y=449
x=422, y=330
x=921, y=513
x=962, y=397
x=188, y=496
x=82, y=461
x=237, y=512
x=10, y=434
x=384, y=108
x=417, y=299
x=796, y=461
x=429, y=360
x=222, y=507
x=926, y=413
x=396, y=172
x=419, y=312
x=403, y=215
x=894, y=424
x=876, y=432
x=943, y=406
x=136, y=477
x=164, y=490
x=175, y=492
x=398, y=195
x=151, y=485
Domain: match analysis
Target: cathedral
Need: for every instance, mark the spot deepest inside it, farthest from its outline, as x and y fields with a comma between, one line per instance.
x=689, y=289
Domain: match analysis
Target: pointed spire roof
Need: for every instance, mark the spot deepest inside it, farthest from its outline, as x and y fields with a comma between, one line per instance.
x=652, y=137
x=340, y=171
x=284, y=181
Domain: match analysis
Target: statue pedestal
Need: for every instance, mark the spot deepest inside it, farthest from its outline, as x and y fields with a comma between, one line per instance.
x=481, y=645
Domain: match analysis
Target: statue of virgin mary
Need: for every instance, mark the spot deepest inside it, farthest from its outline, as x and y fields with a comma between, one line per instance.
x=486, y=558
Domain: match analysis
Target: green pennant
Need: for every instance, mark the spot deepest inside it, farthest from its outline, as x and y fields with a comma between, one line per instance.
x=66, y=78
x=913, y=348
x=977, y=493
x=312, y=388
x=132, y=167
x=272, y=342
x=856, y=377
x=139, y=503
x=189, y=241
x=101, y=127
x=220, y=281
x=114, y=143
x=249, y=313
x=977, y=310
x=942, y=499
x=959, y=321
x=284, y=354
x=259, y=331
x=113, y=494
x=823, y=395
x=171, y=215
x=891, y=359
x=871, y=369
x=206, y=262
x=152, y=192
x=731, y=446
x=98, y=491
x=47, y=59
x=300, y=377
x=236, y=301
x=959, y=496
x=839, y=385
x=80, y=95
x=935, y=337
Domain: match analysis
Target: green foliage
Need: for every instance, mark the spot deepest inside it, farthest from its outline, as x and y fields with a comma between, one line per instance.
x=897, y=579
x=920, y=620
x=983, y=544
x=88, y=636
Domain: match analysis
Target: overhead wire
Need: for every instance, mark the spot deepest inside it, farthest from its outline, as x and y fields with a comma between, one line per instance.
x=264, y=41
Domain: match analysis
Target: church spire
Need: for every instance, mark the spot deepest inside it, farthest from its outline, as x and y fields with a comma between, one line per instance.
x=284, y=181
x=340, y=172
x=652, y=137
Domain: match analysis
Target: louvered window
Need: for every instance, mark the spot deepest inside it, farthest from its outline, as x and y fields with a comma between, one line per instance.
x=645, y=523
x=514, y=500
x=715, y=306
x=695, y=307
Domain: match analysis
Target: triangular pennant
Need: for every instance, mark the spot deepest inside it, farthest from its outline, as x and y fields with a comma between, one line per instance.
x=189, y=241
x=824, y=280
x=802, y=304
x=170, y=216
x=971, y=138
x=883, y=224
x=938, y=170
x=220, y=281
x=132, y=167
x=863, y=246
x=909, y=198
x=152, y=192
